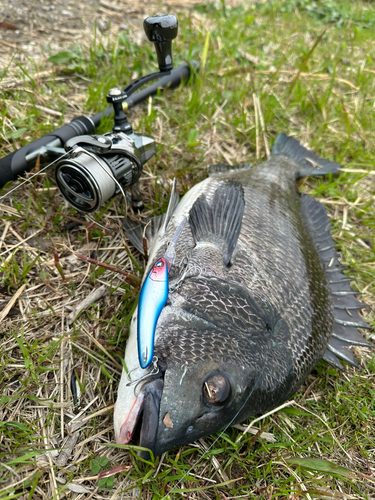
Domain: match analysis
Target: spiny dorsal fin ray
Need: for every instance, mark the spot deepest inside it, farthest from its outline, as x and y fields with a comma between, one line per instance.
x=135, y=230
x=310, y=163
x=219, y=168
x=173, y=202
x=346, y=306
x=222, y=217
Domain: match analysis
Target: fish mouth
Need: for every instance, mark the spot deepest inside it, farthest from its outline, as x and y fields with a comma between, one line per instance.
x=142, y=422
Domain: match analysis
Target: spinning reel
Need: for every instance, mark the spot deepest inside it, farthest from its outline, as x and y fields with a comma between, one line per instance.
x=89, y=168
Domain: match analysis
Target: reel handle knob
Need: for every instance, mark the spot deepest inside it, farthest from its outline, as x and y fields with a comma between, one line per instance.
x=161, y=30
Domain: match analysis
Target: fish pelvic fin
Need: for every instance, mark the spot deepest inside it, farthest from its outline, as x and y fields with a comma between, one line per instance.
x=309, y=162
x=345, y=305
x=135, y=230
x=222, y=218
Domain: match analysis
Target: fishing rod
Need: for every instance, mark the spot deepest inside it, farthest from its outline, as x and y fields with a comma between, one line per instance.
x=90, y=169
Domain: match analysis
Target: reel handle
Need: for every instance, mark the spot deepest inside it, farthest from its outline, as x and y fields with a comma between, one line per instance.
x=161, y=30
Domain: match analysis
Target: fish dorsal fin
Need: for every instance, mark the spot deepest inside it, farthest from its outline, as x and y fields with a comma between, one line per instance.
x=309, y=162
x=220, y=168
x=135, y=230
x=345, y=305
x=222, y=217
x=172, y=205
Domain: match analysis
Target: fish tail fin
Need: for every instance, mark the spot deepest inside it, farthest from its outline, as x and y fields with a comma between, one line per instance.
x=309, y=162
x=223, y=217
x=345, y=305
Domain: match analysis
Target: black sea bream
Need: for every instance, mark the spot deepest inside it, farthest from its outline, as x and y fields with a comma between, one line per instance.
x=256, y=297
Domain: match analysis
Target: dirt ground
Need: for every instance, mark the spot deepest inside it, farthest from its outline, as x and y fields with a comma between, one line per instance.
x=30, y=32
x=32, y=27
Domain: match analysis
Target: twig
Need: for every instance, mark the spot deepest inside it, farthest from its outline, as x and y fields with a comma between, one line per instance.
x=130, y=278
x=62, y=379
x=83, y=411
x=7, y=225
x=320, y=76
x=4, y=313
x=69, y=445
x=263, y=127
x=288, y=403
x=90, y=299
x=256, y=126
x=98, y=344
x=55, y=492
x=305, y=61
x=21, y=241
x=99, y=412
x=10, y=210
x=11, y=486
x=267, y=436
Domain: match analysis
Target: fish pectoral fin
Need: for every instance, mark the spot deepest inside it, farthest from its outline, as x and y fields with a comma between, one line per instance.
x=135, y=230
x=221, y=218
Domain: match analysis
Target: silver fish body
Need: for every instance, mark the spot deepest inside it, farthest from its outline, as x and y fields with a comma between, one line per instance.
x=251, y=306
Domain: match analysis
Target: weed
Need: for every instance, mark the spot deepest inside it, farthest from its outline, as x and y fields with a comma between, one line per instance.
x=322, y=93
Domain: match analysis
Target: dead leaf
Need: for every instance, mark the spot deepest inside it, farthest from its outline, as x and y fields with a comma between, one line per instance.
x=167, y=421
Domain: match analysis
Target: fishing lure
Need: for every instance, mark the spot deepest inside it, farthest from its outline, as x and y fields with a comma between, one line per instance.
x=152, y=299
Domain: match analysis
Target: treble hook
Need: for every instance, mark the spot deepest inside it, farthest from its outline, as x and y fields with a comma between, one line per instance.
x=155, y=370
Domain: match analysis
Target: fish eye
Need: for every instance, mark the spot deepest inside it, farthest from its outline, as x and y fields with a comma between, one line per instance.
x=216, y=389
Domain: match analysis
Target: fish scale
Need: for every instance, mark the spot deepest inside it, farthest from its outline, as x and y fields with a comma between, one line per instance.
x=257, y=296
x=276, y=247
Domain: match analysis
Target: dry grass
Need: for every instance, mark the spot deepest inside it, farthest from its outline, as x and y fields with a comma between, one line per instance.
x=48, y=444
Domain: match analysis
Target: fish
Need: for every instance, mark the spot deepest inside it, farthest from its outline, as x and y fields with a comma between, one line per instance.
x=257, y=296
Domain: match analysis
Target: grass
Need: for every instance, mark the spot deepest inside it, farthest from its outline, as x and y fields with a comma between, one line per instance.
x=310, y=64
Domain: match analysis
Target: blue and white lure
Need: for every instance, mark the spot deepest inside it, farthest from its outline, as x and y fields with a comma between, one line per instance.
x=152, y=299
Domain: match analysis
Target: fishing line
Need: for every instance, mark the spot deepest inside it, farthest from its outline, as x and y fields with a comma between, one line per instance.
x=217, y=439
x=108, y=173
x=32, y=176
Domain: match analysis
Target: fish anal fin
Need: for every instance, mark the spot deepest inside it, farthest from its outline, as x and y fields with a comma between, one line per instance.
x=221, y=218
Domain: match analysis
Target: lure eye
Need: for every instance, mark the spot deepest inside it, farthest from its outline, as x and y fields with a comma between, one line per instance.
x=159, y=264
x=216, y=389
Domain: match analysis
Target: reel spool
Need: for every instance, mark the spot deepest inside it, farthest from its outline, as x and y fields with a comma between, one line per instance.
x=98, y=167
x=85, y=182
